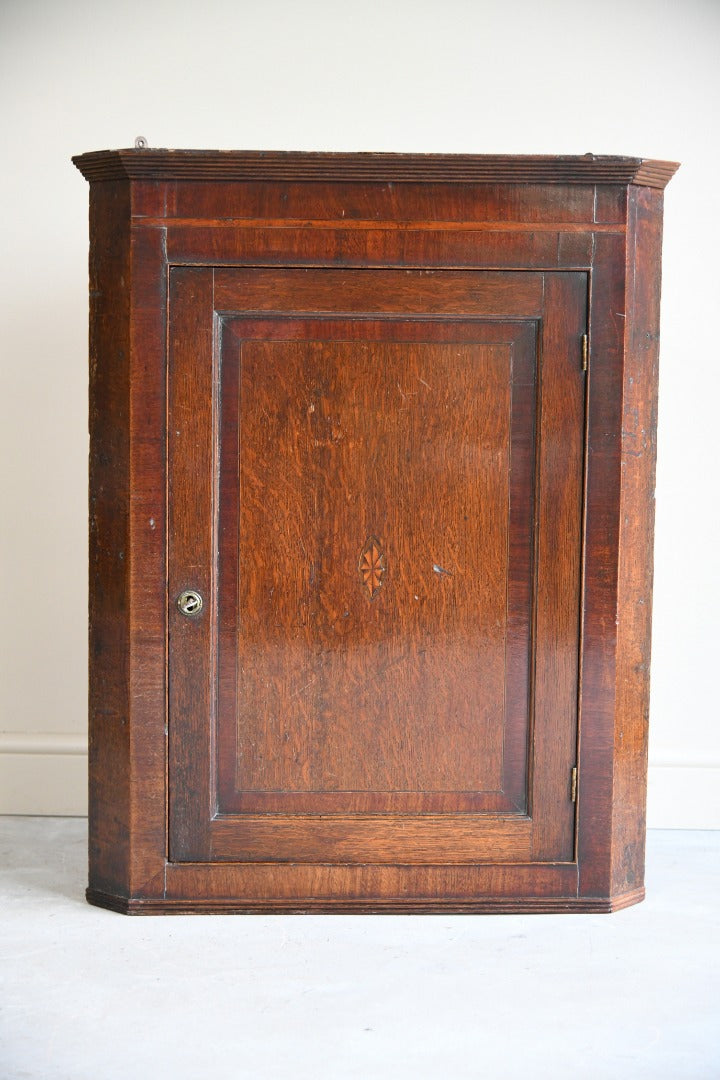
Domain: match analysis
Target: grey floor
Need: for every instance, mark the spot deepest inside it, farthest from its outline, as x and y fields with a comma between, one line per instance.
x=86, y=994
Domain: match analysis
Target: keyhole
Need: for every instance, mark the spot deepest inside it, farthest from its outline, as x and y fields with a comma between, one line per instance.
x=190, y=602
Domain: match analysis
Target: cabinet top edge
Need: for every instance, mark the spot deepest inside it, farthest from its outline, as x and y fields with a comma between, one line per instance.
x=252, y=165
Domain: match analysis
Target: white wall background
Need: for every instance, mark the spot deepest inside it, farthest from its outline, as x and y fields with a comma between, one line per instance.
x=637, y=77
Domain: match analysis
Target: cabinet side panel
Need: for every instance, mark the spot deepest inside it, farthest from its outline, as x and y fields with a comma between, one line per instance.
x=146, y=582
x=637, y=516
x=109, y=812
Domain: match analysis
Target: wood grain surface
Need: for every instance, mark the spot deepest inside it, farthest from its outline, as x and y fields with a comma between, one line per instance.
x=327, y=432
x=302, y=362
x=244, y=165
x=426, y=629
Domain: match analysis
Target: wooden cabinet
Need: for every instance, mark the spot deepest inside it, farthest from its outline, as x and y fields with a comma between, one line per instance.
x=372, y=466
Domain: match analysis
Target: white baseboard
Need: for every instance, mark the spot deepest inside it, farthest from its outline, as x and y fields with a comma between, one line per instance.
x=43, y=774
x=47, y=774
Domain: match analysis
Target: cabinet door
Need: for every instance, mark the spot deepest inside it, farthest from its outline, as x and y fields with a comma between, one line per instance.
x=375, y=483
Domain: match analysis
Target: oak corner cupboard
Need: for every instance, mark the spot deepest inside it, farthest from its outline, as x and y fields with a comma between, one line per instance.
x=371, y=519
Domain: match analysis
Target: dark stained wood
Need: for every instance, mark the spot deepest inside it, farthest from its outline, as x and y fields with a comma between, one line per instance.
x=127, y=804
x=192, y=382
x=243, y=165
x=455, y=206
x=635, y=561
x=420, y=701
x=558, y=538
x=109, y=733
x=521, y=338
x=147, y=571
x=364, y=883
x=602, y=508
x=436, y=839
x=492, y=295
x=340, y=246
x=489, y=905
x=343, y=442
x=349, y=273
x=610, y=205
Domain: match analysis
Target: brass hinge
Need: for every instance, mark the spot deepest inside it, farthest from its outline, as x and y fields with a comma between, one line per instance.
x=573, y=784
x=584, y=352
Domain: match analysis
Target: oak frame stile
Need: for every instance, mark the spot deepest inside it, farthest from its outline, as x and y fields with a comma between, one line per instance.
x=198, y=254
